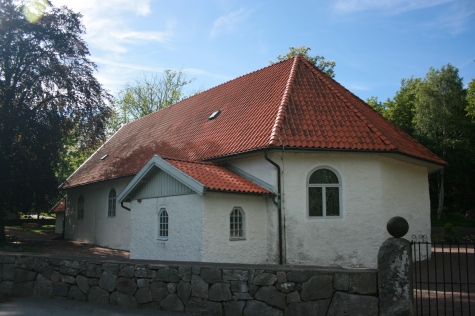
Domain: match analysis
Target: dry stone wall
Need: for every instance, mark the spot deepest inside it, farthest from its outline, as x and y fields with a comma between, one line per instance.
x=195, y=288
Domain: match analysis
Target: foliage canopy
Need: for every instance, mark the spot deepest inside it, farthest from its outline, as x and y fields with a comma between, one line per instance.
x=48, y=93
x=327, y=66
x=436, y=111
x=147, y=95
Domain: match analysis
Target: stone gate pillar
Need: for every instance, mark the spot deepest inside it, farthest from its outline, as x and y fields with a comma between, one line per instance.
x=395, y=271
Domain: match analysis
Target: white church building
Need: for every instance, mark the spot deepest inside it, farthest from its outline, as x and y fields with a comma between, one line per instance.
x=280, y=166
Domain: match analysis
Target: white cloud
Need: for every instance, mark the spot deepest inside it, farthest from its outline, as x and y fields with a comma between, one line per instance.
x=454, y=21
x=114, y=74
x=108, y=23
x=139, y=7
x=393, y=6
x=227, y=24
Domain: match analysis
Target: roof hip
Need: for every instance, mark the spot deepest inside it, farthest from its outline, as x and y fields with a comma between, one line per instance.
x=349, y=105
x=284, y=101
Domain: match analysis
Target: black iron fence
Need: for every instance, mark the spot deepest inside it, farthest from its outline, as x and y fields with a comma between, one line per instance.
x=444, y=277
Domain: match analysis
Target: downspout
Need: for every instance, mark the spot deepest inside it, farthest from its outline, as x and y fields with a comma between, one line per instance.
x=123, y=206
x=64, y=216
x=279, y=206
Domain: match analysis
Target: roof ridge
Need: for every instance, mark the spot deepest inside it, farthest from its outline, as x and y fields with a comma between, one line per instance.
x=320, y=75
x=284, y=101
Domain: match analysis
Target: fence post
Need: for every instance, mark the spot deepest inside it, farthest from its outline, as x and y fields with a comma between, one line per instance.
x=395, y=271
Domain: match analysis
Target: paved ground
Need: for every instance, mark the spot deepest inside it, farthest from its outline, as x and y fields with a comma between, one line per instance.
x=42, y=243
x=446, y=283
x=63, y=307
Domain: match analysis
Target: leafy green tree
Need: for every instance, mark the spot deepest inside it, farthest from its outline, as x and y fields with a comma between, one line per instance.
x=72, y=154
x=471, y=99
x=326, y=66
x=147, y=95
x=377, y=105
x=47, y=92
x=440, y=118
x=401, y=109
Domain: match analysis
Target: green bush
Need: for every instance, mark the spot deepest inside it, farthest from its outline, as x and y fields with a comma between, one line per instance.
x=450, y=233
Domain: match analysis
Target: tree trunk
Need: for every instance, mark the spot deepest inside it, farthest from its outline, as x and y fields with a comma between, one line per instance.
x=441, y=195
x=3, y=237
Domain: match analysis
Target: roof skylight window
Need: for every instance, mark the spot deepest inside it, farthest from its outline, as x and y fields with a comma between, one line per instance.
x=214, y=115
x=104, y=157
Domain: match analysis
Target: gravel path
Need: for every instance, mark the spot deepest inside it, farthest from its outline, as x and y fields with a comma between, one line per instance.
x=42, y=243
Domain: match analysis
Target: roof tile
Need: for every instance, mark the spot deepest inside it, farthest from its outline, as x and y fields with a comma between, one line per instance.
x=291, y=102
x=216, y=177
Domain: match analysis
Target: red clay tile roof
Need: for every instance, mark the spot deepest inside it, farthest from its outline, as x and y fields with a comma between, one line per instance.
x=217, y=178
x=59, y=207
x=291, y=102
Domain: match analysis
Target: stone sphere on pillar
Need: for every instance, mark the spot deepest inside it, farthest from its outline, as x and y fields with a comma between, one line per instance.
x=397, y=226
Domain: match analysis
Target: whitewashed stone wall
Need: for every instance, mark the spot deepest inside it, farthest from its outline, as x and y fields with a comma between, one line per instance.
x=185, y=227
x=374, y=189
x=216, y=244
x=58, y=228
x=96, y=227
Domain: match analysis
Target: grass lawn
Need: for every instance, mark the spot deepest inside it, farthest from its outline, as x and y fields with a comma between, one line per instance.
x=39, y=229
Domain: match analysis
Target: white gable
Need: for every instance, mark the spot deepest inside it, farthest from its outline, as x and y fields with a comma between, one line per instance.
x=158, y=178
x=159, y=185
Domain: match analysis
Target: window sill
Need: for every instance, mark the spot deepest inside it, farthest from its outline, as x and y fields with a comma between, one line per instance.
x=237, y=238
x=162, y=239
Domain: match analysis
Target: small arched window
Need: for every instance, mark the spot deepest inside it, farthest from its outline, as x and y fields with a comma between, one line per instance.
x=81, y=207
x=112, y=204
x=163, y=224
x=236, y=224
x=324, y=194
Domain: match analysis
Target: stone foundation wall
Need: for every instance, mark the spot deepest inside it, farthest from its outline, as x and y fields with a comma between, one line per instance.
x=209, y=289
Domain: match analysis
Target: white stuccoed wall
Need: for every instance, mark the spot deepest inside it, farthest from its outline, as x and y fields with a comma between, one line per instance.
x=96, y=227
x=411, y=198
x=374, y=189
x=185, y=218
x=58, y=228
x=256, y=165
x=260, y=168
x=216, y=244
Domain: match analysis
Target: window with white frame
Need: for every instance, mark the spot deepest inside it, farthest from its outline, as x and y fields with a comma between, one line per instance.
x=112, y=204
x=80, y=207
x=236, y=224
x=324, y=193
x=163, y=224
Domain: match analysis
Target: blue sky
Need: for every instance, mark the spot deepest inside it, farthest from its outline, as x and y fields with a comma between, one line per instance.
x=375, y=43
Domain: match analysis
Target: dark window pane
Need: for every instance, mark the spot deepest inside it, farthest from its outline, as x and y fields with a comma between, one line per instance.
x=315, y=205
x=323, y=176
x=333, y=201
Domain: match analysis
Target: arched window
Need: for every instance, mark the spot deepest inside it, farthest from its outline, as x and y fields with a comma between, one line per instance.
x=236, y=224
x=81, y=207
x=324, y=194
x=112, y=204
x=163, y=224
